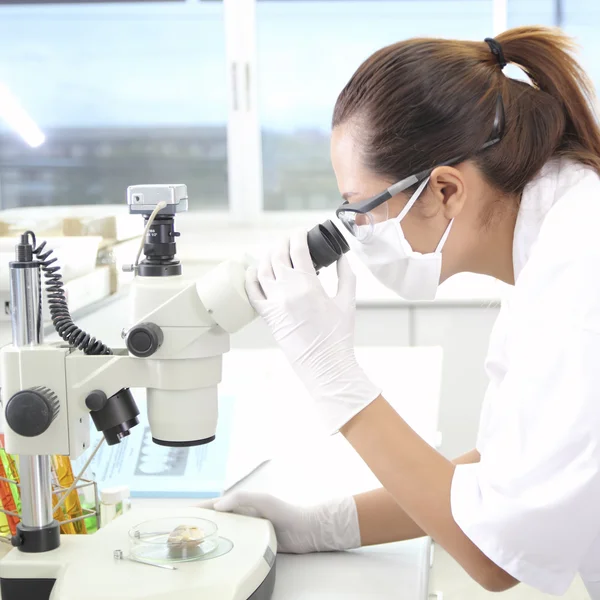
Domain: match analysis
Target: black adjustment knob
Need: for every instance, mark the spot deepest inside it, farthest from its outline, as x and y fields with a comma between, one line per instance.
x=16, y=541
x=144, y=339
x=96, y=400
x=30, y=412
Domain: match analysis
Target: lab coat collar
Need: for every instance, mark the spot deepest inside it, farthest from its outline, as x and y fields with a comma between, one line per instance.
x=555, y=180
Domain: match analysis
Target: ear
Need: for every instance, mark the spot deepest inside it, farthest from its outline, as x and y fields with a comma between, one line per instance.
x=447, y=189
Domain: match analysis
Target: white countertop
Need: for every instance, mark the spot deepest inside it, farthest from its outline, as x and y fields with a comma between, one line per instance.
x=386, y=572
x=326, y=467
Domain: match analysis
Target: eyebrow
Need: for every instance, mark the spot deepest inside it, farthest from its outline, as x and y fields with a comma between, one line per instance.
x=347, y=195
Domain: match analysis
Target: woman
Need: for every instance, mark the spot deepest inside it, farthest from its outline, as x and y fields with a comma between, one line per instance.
x=449, y=166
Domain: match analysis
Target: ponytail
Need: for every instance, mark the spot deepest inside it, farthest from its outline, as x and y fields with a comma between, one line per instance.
x=546, y=56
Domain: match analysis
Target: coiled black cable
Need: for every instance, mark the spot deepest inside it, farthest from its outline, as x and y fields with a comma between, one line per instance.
x=57, y=303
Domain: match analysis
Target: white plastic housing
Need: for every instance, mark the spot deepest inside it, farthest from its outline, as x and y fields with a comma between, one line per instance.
x=44, y=366
x=183, y=415
x=223, y=294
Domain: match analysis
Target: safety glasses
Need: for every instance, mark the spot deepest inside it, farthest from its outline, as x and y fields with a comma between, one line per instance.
x=360, y=218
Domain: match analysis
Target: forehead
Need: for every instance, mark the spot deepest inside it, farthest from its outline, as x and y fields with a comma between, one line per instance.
x=350, y=172
x=344, y=152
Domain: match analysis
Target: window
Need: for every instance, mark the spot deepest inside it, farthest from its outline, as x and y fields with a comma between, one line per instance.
x=578, y=18
x=307, y=51
x=124, y=94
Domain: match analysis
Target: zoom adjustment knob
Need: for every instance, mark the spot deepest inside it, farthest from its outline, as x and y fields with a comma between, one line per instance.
x=144, y=339
x=30, y=412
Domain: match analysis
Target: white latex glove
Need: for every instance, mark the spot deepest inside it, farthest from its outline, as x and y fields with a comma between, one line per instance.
x=315, y=331
x=326, y=527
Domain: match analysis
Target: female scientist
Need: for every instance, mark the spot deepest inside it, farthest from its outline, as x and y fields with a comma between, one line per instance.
x=447, y=166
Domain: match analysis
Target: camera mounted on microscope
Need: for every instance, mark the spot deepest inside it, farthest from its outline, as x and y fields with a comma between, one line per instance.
x=160, y=238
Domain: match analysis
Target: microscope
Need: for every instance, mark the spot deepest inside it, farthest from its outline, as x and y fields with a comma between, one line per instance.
x=179, y=330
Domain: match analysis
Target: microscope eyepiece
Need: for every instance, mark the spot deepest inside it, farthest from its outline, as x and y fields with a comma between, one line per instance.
x=326, y=245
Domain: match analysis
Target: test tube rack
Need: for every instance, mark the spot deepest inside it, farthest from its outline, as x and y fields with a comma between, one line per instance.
x=59, y=491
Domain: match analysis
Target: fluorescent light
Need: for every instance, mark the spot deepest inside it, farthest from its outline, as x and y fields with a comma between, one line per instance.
x=18, y=119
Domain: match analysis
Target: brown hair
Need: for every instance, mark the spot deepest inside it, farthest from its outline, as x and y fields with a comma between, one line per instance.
x=420, y=102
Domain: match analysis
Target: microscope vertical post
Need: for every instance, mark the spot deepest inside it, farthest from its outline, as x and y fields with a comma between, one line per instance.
x=36, y=491
x=25, y=302
x=36, y=532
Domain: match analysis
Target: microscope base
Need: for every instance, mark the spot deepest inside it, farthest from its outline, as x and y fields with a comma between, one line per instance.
x=85, y=567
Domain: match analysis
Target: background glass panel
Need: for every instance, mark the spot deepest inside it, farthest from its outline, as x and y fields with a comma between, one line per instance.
x=578, y=18
x=124, y=93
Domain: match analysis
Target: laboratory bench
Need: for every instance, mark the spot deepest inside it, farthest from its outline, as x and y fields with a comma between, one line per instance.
x=386, y=572
x=326, y=467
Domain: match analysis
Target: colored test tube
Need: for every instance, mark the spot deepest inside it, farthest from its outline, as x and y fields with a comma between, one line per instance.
x=72, y=505
x=10, y=468
x=59, y=513
x=4, y=526
x=91, y=522
x=8, y=501
x=12, y=472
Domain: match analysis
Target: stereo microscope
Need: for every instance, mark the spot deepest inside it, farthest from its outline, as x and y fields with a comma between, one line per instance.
x=179, y=330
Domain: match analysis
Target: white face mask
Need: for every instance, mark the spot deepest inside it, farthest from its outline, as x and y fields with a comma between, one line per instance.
x=388, y=255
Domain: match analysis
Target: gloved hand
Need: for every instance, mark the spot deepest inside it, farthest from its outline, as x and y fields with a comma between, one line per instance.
x=326, y=527
x=315, y=331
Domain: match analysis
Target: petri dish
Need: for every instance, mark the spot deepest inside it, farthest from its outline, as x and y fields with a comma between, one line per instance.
x=175, y=539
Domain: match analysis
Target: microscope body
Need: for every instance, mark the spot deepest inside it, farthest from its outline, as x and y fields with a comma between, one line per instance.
x=178, y=332
x=175, y=348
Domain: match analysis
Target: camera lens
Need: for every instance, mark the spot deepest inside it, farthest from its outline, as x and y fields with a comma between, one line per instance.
x=326, y=245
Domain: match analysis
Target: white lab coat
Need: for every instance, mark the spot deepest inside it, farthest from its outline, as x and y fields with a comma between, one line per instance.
x=532, y=504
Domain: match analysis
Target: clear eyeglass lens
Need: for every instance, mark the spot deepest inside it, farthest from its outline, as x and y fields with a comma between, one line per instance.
x=358, y=224
x=361, y=225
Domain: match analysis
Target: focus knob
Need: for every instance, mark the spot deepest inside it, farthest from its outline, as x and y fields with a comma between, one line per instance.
x=144, y=339
x=30, y=412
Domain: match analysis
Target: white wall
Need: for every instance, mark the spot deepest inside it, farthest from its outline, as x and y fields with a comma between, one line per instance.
x=463, y=332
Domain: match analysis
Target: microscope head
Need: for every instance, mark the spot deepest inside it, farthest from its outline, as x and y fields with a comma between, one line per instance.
x=180, y=328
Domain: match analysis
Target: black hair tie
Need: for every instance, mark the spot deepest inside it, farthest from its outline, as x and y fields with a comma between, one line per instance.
x=496, y=49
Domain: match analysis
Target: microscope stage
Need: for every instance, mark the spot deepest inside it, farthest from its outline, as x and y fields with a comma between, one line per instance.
x=84, y=566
